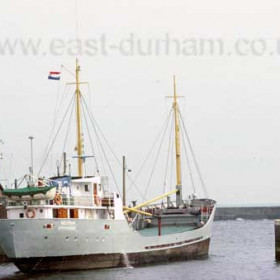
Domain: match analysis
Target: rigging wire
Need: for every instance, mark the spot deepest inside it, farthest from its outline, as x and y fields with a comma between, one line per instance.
x=99, y=150
x=168, y=153
x=97, y=136
x=153, y=168
x=116, y=157
x=194, y=158
x=112, y=151
x=91, y=142
x=150, y=152
x=90, y=139
x=57, y=109
x=57, y=132
x=89, y=94
x=67, y=70
x=67, y=130
x=187, y=158
x=58, y=104
x=107, y=161
x=172, y=165
x=101, y=133
x=21, y=179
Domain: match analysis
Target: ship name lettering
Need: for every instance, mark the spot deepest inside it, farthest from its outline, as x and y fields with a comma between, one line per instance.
x=67, y=228
x=67, y=223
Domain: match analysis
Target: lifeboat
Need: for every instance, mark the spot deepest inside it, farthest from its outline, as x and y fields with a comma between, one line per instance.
x=31, y=193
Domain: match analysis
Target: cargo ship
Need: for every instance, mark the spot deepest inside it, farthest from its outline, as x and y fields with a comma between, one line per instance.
x=76, y=222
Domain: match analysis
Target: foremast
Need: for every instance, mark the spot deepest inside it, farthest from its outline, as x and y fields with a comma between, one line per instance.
x=79, y=146
x=177, y=146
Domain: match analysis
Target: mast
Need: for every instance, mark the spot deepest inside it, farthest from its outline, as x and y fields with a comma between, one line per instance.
x=64, y=164
x=177, y=147
x=31, y=179
x=124, y=188
x=79, y=125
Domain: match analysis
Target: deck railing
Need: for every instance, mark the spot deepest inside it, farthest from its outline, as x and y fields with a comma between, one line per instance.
x=86, y=201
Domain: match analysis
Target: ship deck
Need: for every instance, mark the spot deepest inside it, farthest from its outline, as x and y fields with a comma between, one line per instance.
x=165, y=230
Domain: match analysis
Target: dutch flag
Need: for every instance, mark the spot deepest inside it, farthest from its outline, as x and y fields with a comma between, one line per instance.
x=53, y=75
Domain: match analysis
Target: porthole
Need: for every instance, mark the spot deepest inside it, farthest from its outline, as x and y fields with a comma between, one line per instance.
x=67, y=238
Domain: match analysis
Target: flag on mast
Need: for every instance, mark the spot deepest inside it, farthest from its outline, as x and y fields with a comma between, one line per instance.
x=54, y=75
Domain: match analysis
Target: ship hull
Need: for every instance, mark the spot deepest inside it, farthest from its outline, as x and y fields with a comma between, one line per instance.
x=198, y=250
x=37, y=245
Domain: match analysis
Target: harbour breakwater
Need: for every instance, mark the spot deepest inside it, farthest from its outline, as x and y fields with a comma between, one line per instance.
x=247, y=213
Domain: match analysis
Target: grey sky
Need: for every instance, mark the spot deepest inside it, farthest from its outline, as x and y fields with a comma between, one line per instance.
x=232, y=94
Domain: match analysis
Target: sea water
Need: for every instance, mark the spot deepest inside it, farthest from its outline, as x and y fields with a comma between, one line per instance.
x=239, y=250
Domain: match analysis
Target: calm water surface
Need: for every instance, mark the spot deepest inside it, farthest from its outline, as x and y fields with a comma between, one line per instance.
x=239, y=250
